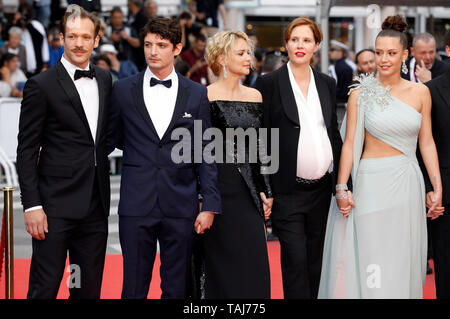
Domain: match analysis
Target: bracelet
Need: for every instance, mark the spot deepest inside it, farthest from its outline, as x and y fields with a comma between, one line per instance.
x=341, y=196
x=341, y=187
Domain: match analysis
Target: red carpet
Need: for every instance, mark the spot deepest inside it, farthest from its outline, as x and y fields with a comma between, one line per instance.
x=112, y=279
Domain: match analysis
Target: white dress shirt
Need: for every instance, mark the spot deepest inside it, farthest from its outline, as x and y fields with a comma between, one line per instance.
x=88, y=91
x=314, y=152
x=412, y=71
x=160, y=100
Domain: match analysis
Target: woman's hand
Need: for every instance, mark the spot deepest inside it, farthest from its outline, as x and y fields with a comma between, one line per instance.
x=345, y=203
x=434, y=204
x=267, y=205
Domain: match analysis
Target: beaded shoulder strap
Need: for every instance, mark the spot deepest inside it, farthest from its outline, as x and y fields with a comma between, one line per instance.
x=371, y=93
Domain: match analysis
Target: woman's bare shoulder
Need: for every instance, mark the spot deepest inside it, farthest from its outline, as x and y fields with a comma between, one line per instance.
x=251, y=94
x=213, y=91
x=417, y=88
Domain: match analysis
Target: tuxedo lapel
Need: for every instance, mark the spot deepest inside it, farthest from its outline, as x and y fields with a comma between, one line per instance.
x=71, y=91
x=324, y=96
x=180, y=104
x=138, y=96
x=101, y=104
x=287, y=96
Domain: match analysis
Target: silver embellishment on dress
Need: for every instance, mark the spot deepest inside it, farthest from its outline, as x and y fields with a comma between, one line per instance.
x=371, y=92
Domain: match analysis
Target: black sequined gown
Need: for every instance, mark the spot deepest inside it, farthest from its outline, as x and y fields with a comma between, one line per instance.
x=235, y=249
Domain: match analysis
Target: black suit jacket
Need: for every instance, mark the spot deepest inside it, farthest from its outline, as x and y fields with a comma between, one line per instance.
x=440, y=118
x=344, y=75
x=56, y=154
x=280, y=111
x=437, y=69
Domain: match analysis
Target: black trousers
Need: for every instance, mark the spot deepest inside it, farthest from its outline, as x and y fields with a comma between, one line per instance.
x=85, y=241
x=299, y=220
x=440, y=236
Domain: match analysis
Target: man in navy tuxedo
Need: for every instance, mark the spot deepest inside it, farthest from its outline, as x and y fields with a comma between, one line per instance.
x=159, y=197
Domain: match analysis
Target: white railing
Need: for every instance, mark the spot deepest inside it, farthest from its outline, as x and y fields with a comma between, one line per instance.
x=9, y=128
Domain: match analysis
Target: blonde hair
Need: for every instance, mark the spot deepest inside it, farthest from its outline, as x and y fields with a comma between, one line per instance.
x=221, y=44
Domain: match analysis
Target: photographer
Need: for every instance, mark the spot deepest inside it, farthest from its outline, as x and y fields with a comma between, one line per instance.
x=36, y=45
x=123, y=37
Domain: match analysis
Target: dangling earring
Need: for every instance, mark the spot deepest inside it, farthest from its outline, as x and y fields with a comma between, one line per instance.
x=404, y=68
x=224, y=71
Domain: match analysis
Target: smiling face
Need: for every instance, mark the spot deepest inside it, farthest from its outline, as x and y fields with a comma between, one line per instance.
x=389, y=55
x=239, y=58
x=79, y=41
x=160, y=54
x=301, y=45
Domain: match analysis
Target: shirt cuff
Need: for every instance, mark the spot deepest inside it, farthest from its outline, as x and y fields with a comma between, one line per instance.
x=32, y=208
x=205, y=211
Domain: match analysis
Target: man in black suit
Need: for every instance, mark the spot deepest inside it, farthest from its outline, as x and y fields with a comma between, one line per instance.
x=340, y=70
x=63, y=165
x=423, y=60
x=440, y=228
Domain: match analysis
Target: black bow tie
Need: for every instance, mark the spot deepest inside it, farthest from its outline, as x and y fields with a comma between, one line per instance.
x=81, y=74
x=166, y=83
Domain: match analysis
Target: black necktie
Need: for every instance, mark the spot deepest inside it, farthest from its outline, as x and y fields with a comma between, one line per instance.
x=166, y=83
x=80, y=74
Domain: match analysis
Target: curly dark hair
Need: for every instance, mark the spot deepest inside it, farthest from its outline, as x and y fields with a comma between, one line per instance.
x=167, y=28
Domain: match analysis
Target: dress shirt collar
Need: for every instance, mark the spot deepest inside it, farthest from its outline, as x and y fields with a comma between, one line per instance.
x=70, y=68
x=172, y=76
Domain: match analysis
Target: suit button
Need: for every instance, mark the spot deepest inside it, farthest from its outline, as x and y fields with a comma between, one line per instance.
x=160, y=145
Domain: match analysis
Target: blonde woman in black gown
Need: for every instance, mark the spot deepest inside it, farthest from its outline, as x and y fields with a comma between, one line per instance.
x=235, y=249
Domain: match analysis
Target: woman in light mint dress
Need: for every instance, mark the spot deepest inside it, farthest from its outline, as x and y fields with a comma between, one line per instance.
x=376, y=238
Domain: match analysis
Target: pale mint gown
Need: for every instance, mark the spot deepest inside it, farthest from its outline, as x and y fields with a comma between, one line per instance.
x=380, y=250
